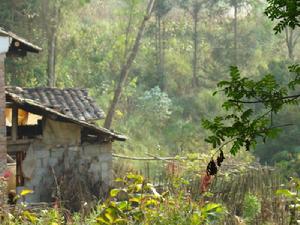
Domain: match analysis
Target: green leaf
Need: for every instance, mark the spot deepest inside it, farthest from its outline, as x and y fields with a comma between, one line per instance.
x=114, y=192
x=285, y=192
x=151, y=202
x=119, y=180
x=109, y=216
x=102, y=220
x=246, y=114
x=120, y=221
x=211, y=206
x=30, y=216
x=138, y=200
x=123, y=205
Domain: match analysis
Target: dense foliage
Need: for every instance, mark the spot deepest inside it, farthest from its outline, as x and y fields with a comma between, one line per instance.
x=94, y=38
x=187, y=48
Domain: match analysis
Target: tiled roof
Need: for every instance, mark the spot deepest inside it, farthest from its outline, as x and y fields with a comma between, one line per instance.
x=72, y=102
x=40, y=109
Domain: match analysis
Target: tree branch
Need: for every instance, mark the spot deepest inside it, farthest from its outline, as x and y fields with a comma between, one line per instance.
x=289, y=97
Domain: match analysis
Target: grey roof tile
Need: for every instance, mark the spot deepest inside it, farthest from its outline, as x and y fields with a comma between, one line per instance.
x=72, y=102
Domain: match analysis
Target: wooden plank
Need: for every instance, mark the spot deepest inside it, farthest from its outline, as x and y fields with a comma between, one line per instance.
x=9, y=104
x=20, y=156
x=14, y=122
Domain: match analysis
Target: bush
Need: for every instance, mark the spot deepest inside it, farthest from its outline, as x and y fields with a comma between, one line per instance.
x=137, y=202
x=251, y=207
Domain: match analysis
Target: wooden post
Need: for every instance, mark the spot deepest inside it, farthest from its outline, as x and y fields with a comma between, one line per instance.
x=14, y=123
x=148, y=170
x=3, y=148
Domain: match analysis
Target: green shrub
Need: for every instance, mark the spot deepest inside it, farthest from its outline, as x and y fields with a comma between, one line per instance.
x=137, y=202
x=251, y=207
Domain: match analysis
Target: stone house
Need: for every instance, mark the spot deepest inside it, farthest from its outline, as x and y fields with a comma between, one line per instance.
x=53, y=137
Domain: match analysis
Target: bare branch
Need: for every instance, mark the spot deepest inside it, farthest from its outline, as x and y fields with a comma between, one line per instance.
x=289, y=97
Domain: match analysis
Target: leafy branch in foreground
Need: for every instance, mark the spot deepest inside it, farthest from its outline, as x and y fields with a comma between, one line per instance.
x=244, y=122
x=286, y=11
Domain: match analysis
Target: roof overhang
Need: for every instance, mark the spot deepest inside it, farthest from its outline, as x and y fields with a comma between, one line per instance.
x=18, y=46
x=35, y=107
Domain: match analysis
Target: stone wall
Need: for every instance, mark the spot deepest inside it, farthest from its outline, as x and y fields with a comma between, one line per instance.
x=49, y=166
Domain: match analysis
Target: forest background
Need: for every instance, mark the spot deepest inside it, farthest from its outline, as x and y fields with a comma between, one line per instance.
x=186, y=50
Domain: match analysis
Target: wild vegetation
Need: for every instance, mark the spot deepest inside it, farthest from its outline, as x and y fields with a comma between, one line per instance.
x=156, y=68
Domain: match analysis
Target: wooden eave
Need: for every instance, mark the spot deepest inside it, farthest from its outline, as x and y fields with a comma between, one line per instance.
x=19, y=46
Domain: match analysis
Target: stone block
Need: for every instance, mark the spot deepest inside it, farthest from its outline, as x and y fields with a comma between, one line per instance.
x=95, y=168
x=86, y=158
x=106, y=178
x=40, y=173
x=39, y=163
x=38, y=146
x=72, y=155
x=106, y=172
x=105, y=157
x=53, y=162
x=106, y=148
x=91, y=150
x=44, y=163
x=42, y=154
x=104, y=167
x=57, y=153
x=74, y=148
x=35, y=182
x=67, y=164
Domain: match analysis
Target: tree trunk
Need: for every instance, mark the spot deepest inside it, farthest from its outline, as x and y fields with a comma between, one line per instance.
x=291, y=39
x=51, y=58
x=235, y=34
x=52, y=25
x=157, y=30
x=162, y=59
x=160, y=66
x=195, y=82
x=3, y=148
x=127, y=32
x=126, y=67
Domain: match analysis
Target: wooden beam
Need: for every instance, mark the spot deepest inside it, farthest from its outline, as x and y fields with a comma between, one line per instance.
x=14, y=122
x=18, y=146
x=9, y=104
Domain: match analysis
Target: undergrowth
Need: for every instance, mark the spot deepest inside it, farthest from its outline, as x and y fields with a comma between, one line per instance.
x=134, y=201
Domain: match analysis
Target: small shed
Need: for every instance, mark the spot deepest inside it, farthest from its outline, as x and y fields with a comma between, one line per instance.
x=53, y=136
